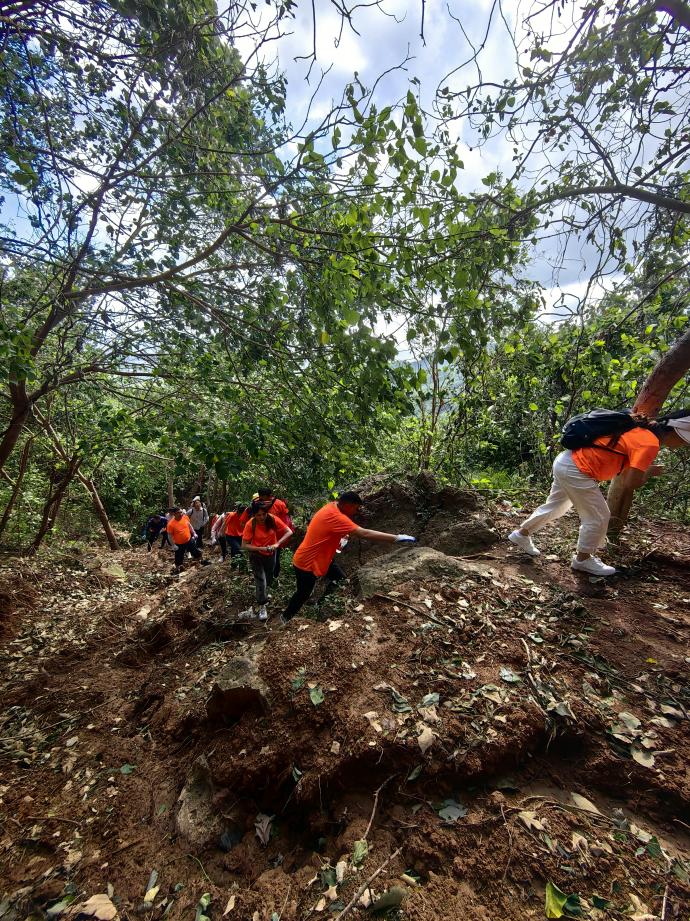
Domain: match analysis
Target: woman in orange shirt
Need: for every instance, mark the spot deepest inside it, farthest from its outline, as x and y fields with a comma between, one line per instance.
x=576, y=478
x=262, y=536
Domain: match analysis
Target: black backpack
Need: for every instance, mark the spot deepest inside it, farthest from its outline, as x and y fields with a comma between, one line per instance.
x=583, y=430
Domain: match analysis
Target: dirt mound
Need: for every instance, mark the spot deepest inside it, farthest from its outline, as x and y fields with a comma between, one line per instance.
x=445, y=518
x=480, y=731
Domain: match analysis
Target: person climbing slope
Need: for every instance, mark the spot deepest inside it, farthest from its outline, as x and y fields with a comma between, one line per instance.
x=263, y=535
x=198, y=515
x=576, y=477
x=234, y=526
x=218, y=534
x=152, y=528
x=279, y=509
x=314, y=556
x=183, y=535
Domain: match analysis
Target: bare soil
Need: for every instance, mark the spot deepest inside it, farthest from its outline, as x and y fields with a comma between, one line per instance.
x=454, y=725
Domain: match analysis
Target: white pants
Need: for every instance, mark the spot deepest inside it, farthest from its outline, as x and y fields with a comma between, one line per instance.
x=571, y=487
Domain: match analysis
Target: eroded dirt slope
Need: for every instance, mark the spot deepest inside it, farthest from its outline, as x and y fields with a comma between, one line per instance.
x=525, y=729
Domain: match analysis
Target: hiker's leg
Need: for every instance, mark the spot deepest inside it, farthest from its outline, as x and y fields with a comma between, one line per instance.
x=334, y=577
x=305, y=586
x=276, y=568
x=223, y=544
x=194, y=550
x=235, y=543
x=591, y=506
x=269, y=568
x=556, y=505
x=258, y=568
x=180, y=551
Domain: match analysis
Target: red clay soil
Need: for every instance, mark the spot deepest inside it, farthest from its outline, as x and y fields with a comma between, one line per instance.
x=513, y=730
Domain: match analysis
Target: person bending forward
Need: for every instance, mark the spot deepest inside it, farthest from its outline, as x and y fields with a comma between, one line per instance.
x=314, y=556
x=576, y=478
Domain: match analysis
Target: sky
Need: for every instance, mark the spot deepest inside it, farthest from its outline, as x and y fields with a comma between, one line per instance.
x=389, y=34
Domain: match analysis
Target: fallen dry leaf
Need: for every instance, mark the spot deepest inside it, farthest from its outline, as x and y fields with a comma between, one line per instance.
x=425, y=739
x=98, y=906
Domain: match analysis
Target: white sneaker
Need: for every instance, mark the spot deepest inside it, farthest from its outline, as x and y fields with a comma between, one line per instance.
x=593, y=566
x=246, y=615
x=524, y=543
x=263, y=613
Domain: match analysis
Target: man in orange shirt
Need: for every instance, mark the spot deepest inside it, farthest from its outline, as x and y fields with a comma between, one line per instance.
x=576, y=475
x=183, y=536
x=314, y=556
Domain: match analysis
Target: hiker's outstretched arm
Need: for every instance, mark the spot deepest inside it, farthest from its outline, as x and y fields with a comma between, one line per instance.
x=381, y=536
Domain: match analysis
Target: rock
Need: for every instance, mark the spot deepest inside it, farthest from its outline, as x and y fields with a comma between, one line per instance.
x=196, y=819
x=237, y=689
x=406, y=564
x=455, y=537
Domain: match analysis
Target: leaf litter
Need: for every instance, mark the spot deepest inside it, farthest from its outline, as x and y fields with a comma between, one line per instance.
x=462, y=724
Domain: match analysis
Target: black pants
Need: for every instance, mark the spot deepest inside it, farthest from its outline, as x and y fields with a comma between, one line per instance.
x=200, y=538
x=181, y=549
x=235, y=545
x=165, y=539
x=223, y=544
x=276, y=571
x=305, y=586
x=262, y=567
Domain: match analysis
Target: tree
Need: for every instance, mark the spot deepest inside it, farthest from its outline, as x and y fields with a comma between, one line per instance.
x=671, y=368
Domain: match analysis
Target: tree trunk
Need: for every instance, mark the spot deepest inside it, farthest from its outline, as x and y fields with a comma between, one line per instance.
x=52, y=505
x=21, y=407
x=223, y=496
x=16, y=489
x=99, y=508
x=668, y=371
x=201, y=479
x=85, y=481
x=212, y=492
x=171, y=492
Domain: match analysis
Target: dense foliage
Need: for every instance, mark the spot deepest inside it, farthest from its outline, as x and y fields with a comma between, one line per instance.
x=197, y=296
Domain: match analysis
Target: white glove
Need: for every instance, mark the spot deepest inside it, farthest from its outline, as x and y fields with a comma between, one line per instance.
x=405, y=539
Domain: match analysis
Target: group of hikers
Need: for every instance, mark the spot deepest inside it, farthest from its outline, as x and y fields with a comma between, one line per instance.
x=599, y=446
x=261, y=529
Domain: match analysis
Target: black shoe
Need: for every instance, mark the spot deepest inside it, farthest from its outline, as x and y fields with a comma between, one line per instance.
x=205, y=562
x=284, y=620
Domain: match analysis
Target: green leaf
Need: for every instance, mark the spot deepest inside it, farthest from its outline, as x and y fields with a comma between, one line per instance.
x=400, y=705
x=297, y=683
x=316, y=695
x=555, y=901
x=359, y=852
x=128, y=768
x=415, y=772
x=508, y=675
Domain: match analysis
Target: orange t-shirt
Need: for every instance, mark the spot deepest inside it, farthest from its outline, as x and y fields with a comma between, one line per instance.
x=235, y=522
x=327, y=527
x=280, y=510
x=259, y=535
x=180, y=531
x=637, y=448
